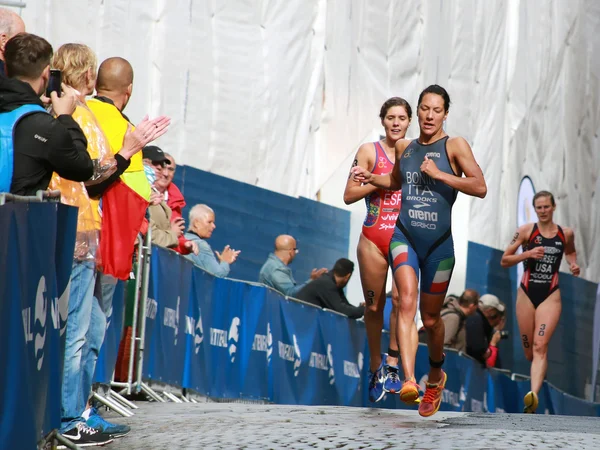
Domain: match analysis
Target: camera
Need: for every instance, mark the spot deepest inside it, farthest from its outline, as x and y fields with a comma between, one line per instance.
x=504, y=334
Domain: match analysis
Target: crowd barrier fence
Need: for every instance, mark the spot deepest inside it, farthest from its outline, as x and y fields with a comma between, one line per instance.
x=222, y=338
x=238, y=340
x=36, y=256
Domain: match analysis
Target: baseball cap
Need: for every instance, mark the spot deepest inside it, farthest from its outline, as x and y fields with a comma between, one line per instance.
x=491, y=301
x=155, y=154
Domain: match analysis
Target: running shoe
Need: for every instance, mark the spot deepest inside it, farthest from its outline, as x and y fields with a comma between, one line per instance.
x=376, y=380
x=531, y=403
x=409, y=393
x=392, y=383
x=97, y=421
x=430, y=404
x=83, y=436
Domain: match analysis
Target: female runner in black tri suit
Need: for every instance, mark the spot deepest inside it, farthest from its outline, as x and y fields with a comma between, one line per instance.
x=538, y=297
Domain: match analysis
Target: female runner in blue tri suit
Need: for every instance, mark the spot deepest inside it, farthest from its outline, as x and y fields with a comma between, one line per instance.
x=430, y=172
x=538, y=297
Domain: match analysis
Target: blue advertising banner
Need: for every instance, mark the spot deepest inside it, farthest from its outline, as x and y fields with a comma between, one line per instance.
x=197, y=360
x=255, y=349
x=224, y=316
x=246, y=341
x=346, y=340
x=168, y=297
x=475, y=386
x=301, y=352
x=105, y=365
x=33, y=257
x=500, y=394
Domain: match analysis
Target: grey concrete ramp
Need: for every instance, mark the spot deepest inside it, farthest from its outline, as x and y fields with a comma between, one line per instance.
x=252, y=426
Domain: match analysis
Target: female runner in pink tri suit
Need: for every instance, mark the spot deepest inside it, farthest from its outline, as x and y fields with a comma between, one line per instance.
x=382, y=211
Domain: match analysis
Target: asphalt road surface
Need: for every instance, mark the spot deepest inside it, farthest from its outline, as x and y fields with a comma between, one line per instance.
x=254, y=426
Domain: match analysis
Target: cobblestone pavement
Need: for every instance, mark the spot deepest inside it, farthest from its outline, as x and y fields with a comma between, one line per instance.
x=253, y=426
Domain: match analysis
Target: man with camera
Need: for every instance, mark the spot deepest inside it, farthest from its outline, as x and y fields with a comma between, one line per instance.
x=485, y=330
x=40, y=144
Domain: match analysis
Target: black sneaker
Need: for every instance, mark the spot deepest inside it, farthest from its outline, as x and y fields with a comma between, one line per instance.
x=84, y=436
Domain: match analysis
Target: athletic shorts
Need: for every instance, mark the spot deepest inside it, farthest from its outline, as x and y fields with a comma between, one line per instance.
x=434, y=261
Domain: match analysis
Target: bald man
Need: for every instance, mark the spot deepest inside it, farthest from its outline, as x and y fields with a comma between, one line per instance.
x=114, y=86
x=10, y=25
x=202, y=224
x=276, y=273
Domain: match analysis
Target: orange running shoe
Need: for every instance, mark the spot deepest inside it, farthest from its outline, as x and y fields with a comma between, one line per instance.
x=433, y=397
x=409, y=393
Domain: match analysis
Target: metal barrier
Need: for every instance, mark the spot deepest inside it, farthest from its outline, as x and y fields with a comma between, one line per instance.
x=39, y=197
x=134, y=384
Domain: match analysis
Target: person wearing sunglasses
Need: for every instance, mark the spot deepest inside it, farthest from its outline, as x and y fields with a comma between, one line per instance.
x=276, y=272
x=484, y=330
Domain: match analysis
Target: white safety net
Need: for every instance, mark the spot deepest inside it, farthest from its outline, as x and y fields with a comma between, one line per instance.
x=281, y=93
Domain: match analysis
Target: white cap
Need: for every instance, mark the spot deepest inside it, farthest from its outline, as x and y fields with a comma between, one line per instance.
x=491, y=301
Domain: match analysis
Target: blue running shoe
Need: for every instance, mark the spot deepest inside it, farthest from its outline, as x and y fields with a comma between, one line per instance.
x=376, y=379
x=115, y=430
x=392, y=383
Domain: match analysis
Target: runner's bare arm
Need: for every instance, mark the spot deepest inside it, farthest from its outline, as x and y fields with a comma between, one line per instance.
x=521, y=236
x=472, y=183
x=390, y=181
x=570, y=252
x=356, y=190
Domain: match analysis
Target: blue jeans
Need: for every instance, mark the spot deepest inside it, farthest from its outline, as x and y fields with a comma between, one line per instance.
x=81, y=296
x=101, y=314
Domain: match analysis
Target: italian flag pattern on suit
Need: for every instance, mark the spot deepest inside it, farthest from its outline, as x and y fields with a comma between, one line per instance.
x=442, y=276
x=399, y=251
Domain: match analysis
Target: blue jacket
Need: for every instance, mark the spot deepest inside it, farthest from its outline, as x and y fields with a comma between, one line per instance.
x=206, y=258
x=276, y=274
x=8, y=122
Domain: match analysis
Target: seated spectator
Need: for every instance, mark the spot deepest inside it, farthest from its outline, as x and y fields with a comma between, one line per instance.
x=41, y=144
x=327, y=291
x=202, y=224
x=165, y=233
x=454, y=314
x=484, y=330
x=276, y=272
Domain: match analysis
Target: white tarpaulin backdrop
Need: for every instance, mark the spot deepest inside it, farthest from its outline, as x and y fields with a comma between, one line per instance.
x=279, y=93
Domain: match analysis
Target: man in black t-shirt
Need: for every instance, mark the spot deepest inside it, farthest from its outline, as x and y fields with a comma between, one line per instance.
x=327, y=291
